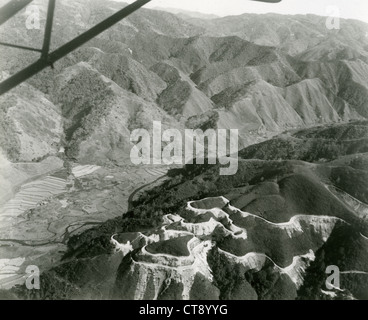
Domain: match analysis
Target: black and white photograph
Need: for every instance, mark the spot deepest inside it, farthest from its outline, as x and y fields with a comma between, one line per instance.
x=183, y=150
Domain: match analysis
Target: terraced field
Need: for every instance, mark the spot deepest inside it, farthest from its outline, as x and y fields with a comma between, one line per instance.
x=37, y=222
x=81, y=171
x=32, y=194
x=180, y=248
x=9, y=275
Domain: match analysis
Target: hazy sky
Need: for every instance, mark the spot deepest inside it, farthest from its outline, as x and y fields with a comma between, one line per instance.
x=356, y=9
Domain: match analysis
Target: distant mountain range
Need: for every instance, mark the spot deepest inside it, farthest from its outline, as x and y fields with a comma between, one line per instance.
x=187, y=14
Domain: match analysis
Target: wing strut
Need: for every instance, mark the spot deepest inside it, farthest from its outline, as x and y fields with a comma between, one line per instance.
x=11, y=9
x=49, y=59
x=48, y=29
